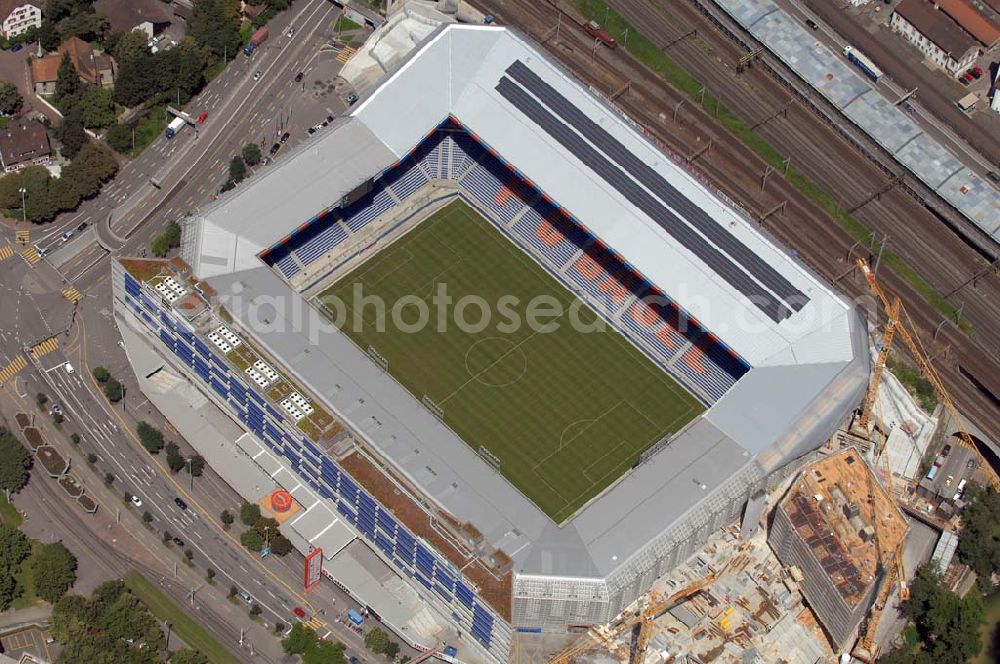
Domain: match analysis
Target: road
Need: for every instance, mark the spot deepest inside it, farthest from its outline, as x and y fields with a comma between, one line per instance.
x=192, y=166
x=817, y=148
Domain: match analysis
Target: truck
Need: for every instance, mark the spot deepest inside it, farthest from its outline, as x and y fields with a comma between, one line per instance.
x=863, y=62
x=256, y=39
x=594, y=29
x=174, y=127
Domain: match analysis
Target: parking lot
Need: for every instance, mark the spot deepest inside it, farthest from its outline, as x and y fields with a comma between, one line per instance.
x=31, y=641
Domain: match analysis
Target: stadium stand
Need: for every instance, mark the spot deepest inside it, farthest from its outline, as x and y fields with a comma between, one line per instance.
x=526, y=216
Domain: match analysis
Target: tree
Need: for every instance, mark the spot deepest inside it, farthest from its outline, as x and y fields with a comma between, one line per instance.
x=14, y=547
x=68, y=618
x=91, y=458
x=147, y=518
x=232, y=591
x=97, y=105
x=54, y=569
x=41, y=399
x=279, y=627
x=215, y=24
x=75, y=438
x=150, y=437
x=126, y=46
x=48, y=35
x=979, y=542
x=196, y=465
x=252, y=540
x=39, y=203
x=249, y=514
x=72, y=134
x=175, y=460
x=189, y=554
x=255, y=610
x=159, y=246
x=251, y=154
x=172, y=232
x=67, y=78
x=188, y=657
x=280, y=545
x=101, y=375
x=324, y=652
x=209, y=574
x=10, y=98
x=109, y=478
x=377, y=640
x=167, y=536
x=300, y=639
x=227, y=518
x=113, y=390
x=87, y=25
x=237, y=169
x=119, y=137
x=14, y=462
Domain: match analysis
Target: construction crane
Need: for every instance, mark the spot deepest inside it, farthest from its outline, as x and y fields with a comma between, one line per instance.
x=641, y=622
x=893, y=573
x=895, y=327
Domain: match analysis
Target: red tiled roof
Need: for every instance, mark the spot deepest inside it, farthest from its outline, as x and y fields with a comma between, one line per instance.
x=984, y=30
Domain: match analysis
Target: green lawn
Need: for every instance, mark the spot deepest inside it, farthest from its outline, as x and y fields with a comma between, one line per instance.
x=9, y=513
x=566, y=412
x=182, y=624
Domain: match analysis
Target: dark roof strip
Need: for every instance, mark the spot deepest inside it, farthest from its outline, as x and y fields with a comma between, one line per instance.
x=643, y=200
x=656, y=183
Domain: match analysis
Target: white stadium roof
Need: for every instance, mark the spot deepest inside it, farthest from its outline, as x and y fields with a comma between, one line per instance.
x=808, y=355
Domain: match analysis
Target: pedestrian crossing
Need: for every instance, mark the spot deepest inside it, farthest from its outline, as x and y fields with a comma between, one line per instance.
x=315, y=623
x=6, y=252
x=44, y=348
x=12, y=368
x=72, y=294
x=345, y=54
x=31, y=255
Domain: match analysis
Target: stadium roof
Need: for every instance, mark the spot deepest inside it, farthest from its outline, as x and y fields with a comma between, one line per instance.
x=806, y=345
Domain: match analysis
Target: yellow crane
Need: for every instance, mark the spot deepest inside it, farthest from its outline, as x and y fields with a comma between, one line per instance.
x=643, y=620
x=895, y=327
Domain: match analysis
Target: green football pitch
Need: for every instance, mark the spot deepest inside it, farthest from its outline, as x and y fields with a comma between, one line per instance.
x=563, y=412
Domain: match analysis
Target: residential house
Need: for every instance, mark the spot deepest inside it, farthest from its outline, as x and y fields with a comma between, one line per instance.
x=19, y=15
x=23, y=143
x=94, y=68
x=151, y=17
x=936, y=35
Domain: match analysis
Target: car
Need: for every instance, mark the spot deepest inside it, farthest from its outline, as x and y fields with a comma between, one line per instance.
x=246, y=597
x=137, y=501
x=257, y=75
x=311, y=130
x=971, y=464
x=285, y=137
x=910, y=108
x=291, y=31
x=56, y=409
x=329, y=118
x=121, y=344
x=352, y=99
x=299, y=612
x=67, y=235
x=977, y=72
x=965, y=78
x=275, y=148
x=354, y=660
x=69, y=368
x=298, y=77
x=202, y=117
x=812, y=24
x=180, y=503
x=178, y=541
x=16, y=47
x=81, y=227
x=450, y=651
x=993, y=175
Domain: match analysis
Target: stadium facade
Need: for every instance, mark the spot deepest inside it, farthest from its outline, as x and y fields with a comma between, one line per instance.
x=480, y=114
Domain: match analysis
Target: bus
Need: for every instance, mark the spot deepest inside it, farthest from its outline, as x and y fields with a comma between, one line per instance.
x=863, y=62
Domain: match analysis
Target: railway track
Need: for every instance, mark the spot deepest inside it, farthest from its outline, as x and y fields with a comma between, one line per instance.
x=669, y=118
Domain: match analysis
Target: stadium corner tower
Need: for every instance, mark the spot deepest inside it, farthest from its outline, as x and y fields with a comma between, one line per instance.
x=769, y=356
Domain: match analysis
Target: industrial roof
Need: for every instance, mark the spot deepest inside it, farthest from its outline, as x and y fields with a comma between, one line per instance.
x=806, y=345
x=931, y=162
x=937, y=27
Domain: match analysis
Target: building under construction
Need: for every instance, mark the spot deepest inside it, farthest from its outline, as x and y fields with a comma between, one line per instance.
x=838, y=526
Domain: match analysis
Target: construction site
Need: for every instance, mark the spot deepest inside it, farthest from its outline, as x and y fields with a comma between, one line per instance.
x=816, y=570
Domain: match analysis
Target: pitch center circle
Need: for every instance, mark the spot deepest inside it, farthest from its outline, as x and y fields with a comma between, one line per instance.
x=496, y=362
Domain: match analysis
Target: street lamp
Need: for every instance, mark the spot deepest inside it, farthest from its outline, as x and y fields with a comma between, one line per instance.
x=24, y=210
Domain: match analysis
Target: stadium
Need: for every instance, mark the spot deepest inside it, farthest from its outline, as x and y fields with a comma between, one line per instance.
x=554, y=472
